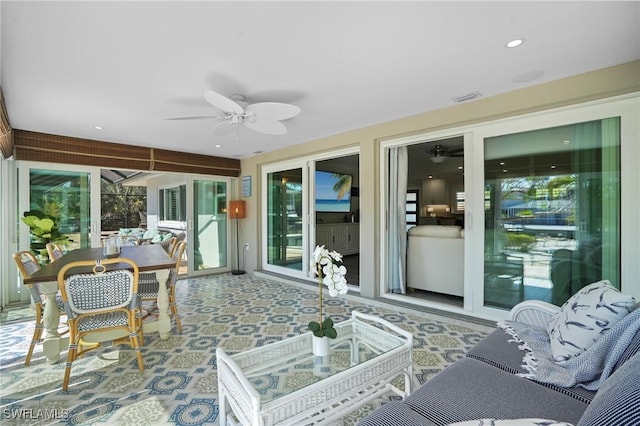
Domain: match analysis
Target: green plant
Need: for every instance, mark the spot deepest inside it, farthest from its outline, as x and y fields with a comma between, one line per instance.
x=323, y=329
x=43, y=229
x=520, y=242
x=525, y=213
x=326, y=267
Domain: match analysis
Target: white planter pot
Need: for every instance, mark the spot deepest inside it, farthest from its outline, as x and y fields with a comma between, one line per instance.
x=320, y=346
x=321, y=367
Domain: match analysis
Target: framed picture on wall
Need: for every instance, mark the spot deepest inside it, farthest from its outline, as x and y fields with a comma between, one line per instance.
x=246, y=186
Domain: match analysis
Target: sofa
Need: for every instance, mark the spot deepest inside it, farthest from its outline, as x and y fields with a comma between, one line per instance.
x=435, y=259
x=151, y=236
x=495, y=384
x=573, y=269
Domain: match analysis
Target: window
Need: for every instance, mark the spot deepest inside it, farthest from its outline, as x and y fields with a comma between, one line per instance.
x=412, y=208
x=64, y=196
x=284, y=212
x=460, y=201
x=173, y=204
x=552, y=212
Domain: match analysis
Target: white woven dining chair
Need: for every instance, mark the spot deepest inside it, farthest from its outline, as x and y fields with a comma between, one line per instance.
x=102, y=308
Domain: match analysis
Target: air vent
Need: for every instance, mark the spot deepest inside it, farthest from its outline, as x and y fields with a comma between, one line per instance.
x=466, y=97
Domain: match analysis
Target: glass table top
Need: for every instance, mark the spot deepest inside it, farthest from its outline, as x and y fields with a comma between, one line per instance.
x=284, y=367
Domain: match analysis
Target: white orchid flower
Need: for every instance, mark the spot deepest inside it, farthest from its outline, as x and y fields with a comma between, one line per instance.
x=320, y=256
x=316, y=255
x=331, y=275
x=334, y=279
x=336, y=256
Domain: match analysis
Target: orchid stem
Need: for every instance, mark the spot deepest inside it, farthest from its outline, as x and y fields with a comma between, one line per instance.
x=320, y=290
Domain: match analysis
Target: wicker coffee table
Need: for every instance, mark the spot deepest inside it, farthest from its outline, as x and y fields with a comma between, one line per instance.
x=284, y=383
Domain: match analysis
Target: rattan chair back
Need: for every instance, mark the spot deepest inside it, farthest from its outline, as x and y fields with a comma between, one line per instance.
x=100, y=304
x=55, y=251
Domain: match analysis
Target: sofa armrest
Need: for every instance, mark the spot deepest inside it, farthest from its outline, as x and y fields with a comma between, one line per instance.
x=533, y=312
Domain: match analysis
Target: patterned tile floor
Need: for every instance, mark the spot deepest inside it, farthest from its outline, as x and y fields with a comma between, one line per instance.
x=179, y=385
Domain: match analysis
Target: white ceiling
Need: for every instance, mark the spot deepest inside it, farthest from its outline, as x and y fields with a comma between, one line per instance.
x=129, y=66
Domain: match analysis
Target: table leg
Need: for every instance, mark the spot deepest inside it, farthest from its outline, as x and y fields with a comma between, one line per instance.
x=52, y=344
x=164, y=321
x=163, y=324
x=408, y=381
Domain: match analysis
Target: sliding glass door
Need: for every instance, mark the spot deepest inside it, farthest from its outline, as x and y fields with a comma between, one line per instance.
x=541, y=204
x=308, y=202
x=284, y=220
x=209, y=236
x=552, y=212
x=64, y=194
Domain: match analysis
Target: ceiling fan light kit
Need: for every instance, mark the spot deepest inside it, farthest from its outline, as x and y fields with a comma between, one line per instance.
x=440, y=153
x=261, y=117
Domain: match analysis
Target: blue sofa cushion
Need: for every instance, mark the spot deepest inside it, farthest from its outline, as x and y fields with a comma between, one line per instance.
x=470, y=389
x=500, y=350
x=395, y=413
x=511, y=422
x=618, y=399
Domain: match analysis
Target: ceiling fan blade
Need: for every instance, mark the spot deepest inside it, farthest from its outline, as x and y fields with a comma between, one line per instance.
x=222, y=102
x=193, y=117
x=268, y=127
x=273, y=111
x=224, y=127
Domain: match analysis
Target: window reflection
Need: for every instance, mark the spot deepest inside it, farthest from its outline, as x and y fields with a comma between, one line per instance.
x=552, y=212
x=284, y=204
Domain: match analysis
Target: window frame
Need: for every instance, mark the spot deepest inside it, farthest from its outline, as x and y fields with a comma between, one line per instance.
x=181, y=205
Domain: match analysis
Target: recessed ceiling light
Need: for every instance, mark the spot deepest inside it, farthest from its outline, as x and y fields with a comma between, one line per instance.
x=553, y=166
x=566, y=142
x=515, y=42
x=218, y=146
x=430, y=177
x=98, y=127
x=459, y=167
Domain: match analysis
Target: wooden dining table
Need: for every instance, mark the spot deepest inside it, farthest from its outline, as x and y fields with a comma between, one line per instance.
x=149, y=258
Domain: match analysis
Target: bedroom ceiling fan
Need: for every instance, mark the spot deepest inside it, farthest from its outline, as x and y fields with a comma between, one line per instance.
x=261, y=117
x=440, y=153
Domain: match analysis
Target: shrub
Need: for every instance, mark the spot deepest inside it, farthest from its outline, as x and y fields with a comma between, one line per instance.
x=520, y=242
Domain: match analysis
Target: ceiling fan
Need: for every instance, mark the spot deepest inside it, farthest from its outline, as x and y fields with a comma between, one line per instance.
x=261, y=117
x=440, y=153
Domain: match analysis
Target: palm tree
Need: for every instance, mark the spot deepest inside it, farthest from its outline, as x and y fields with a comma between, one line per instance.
x=342, y=185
